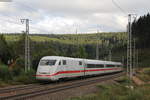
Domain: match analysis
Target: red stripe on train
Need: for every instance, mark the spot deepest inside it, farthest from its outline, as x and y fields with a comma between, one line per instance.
x=76, y=71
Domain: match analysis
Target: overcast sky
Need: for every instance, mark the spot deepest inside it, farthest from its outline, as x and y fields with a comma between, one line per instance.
x=65, y=16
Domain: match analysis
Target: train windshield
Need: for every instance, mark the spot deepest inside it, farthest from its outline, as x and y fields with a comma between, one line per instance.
x=47, y=62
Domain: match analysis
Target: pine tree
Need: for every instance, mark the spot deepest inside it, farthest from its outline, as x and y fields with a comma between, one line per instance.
x=141, y=31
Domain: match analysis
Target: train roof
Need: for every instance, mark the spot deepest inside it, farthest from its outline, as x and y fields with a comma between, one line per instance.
x=56, y=57
x=85, y=60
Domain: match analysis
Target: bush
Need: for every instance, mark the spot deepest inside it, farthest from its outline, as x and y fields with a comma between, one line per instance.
x=19, y=62
x=5, y=74
x=16, y=71
x=26, y=78
x=17, y=74
x=3, y=84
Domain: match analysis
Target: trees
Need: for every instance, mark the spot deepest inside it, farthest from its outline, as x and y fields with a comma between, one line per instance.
x=141, y=31
x=81, y=53
x=5, y=53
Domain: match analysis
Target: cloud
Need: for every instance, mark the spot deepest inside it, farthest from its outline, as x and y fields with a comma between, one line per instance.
x=65, y=16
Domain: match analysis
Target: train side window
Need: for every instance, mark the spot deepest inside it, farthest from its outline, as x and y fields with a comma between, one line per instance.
x=99, y=66
x=90, y=66
x=95, y=66
x=80, y=63
x=64, y=62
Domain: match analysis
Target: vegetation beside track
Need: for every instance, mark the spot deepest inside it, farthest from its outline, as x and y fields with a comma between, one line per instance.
x=144, y=74
x=119, y=91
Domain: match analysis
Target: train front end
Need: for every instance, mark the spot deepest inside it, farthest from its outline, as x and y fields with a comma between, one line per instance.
x=46, y=69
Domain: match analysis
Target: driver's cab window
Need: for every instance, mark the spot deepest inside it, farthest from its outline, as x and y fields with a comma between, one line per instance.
x=47, y=62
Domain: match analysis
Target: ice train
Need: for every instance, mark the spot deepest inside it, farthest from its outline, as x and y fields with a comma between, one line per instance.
x=57, y=67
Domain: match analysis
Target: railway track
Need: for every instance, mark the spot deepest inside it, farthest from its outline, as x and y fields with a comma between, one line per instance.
x=22, y=87
x=31, y=94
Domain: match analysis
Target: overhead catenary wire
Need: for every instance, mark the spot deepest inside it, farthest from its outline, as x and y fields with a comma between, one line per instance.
x=121, y=9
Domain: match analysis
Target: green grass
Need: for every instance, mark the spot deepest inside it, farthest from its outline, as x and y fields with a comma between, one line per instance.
x=10, y=38
x=40, y=38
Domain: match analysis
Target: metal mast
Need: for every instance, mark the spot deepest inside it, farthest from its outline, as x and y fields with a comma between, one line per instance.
x=130, y=51
x=27, y=45
x=97, y=47
x=129, y=48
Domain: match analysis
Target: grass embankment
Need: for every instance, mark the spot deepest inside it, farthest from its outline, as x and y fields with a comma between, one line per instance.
x=15, y=76
x=119, y=92
x=144, y=74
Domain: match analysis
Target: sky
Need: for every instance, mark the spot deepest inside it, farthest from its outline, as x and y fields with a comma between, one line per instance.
x=69, y=16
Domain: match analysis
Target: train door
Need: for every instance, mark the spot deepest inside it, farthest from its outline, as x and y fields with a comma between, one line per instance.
x=84, y=67
x=60, y=68
x=64, y=67
x=69, y=67
x=80, y=67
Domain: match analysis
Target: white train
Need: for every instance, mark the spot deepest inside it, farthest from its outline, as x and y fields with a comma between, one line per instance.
x=56, y=67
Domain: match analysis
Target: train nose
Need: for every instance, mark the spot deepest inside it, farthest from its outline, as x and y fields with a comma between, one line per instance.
x=44, y=69
x=44, y=73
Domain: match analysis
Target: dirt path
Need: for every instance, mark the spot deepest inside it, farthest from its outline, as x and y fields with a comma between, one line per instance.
x=137, y=81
